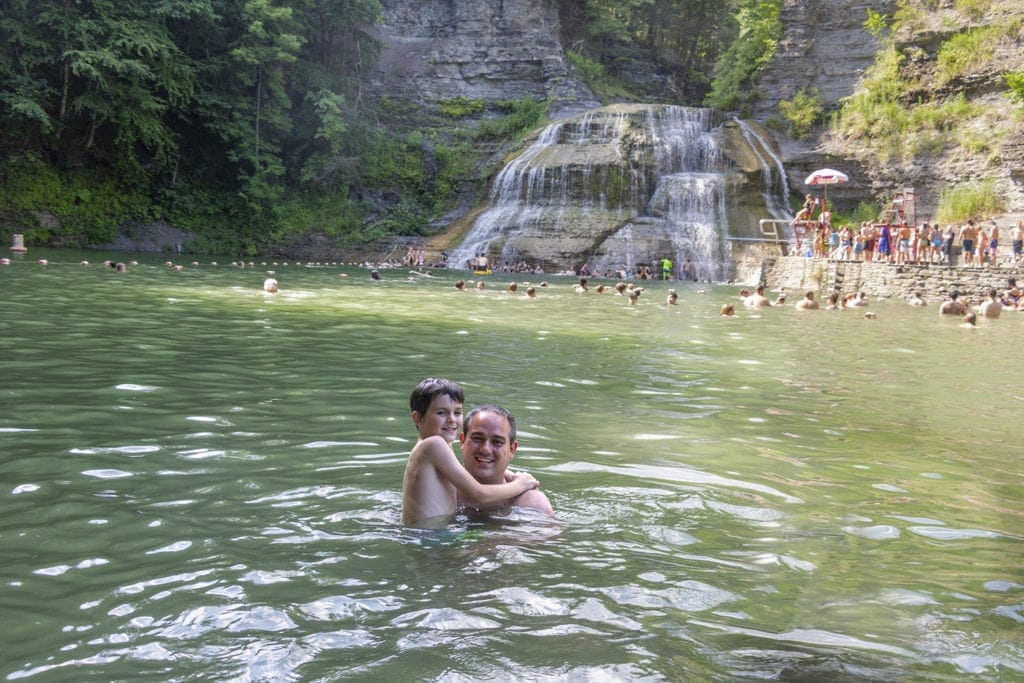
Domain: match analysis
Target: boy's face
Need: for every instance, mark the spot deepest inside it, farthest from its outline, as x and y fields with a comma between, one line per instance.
x=443, y=417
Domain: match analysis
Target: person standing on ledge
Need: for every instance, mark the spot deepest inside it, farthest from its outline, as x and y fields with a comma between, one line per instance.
x=968, y=234
x=666, y=268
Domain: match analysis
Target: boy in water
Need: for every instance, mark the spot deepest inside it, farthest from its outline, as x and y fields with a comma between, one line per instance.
x=433, y=475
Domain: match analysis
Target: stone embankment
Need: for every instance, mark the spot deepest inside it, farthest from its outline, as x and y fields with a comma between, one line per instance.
x=883, y=280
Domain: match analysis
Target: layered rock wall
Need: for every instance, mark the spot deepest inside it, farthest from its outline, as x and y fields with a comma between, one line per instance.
x=435, y=50
x=825, y=46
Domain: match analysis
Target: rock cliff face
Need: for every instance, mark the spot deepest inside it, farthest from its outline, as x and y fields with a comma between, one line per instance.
x=503, y=50
x=825, y=46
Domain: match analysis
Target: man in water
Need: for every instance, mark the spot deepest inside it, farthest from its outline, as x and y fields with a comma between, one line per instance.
x=757, y=299
x=488, y=441
x=807, y=303
x=951, y=306
x=993, y=307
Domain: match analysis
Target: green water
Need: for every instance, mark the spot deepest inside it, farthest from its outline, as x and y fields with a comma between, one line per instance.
x=201, y=482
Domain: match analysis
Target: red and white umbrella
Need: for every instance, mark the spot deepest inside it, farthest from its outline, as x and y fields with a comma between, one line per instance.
x=826, y=177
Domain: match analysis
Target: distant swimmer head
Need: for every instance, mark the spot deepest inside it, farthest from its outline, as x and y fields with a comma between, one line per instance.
x=374, y=274
x=270, y=285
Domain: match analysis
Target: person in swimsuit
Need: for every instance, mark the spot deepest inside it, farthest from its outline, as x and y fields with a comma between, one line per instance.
x=968, y=234
x=882, y=251
x=845, y=243
x=947, y=244
x=936, y=244
x=923, y=243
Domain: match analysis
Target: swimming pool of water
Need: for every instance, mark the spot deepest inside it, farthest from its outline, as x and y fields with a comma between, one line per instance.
x=202, y=481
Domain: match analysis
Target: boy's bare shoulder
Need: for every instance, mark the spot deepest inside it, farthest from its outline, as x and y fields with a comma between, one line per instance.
x=430, y=448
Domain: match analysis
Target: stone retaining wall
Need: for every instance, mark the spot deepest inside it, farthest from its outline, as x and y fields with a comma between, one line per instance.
x=882, y=280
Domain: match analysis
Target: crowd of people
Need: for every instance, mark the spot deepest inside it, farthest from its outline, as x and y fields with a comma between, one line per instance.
x=897, y=242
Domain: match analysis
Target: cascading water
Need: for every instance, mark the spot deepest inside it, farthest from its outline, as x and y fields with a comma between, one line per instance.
x=562, y=178
x=619, y=187
x=775, y=188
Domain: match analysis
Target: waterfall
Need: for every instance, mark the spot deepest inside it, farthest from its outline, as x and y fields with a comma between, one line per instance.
x=775, y=186
x=567, y=170
x=621, y=186
x=693, y=203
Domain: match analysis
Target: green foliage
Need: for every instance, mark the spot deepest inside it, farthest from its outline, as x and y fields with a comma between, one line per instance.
x=461, y=107
x=964, y=51
x=865, y=211
x=803, y=111
x=975, y=9
x=87, y=208
x=1015, y=82
x=231, y=119
x=596, y=77
x=892, y=127
x=751, y=51
x=683, y=37
x=876, y=23
x=976, y=201
x=521, y=116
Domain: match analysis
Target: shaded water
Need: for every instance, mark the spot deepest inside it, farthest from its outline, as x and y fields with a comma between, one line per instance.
x=200, y=481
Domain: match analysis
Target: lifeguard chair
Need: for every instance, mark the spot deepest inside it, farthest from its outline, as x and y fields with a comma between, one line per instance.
x=902, y=209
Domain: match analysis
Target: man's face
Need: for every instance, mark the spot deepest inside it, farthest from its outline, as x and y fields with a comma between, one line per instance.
x=486, y=448
x=442, y=417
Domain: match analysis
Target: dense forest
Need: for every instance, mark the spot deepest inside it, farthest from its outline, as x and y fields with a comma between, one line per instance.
x=247, y=124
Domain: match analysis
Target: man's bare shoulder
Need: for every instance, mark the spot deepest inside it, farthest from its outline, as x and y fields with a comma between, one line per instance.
x=534, y=499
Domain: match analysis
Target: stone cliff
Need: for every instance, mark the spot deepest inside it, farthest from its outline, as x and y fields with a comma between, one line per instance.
x=437, y=50
x=434, y=50
x=825, y=46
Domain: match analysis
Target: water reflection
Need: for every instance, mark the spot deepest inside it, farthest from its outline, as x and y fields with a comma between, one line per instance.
x=208, y=487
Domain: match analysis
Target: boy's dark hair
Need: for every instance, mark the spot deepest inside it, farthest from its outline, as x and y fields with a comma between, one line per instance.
x=491, y=408
x=426, y=390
